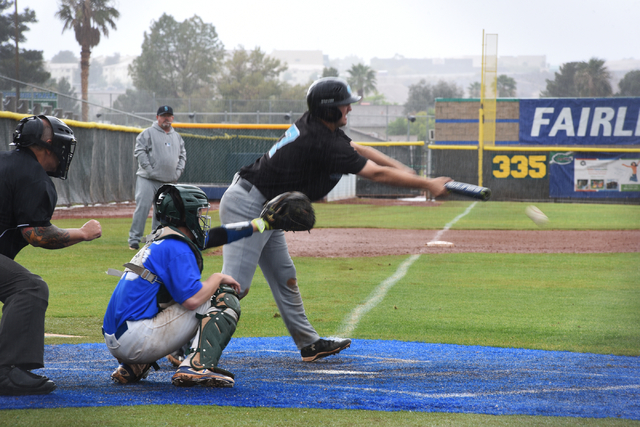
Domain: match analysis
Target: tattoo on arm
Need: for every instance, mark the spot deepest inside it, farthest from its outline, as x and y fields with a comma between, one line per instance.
x=50, y=237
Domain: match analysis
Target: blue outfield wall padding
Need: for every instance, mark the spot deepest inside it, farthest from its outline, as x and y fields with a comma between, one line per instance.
x=371, y=375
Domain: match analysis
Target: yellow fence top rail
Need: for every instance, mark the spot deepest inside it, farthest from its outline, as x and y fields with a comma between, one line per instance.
x=578, y=148
x=227, y=126
x=391, y=143
x=76, y=124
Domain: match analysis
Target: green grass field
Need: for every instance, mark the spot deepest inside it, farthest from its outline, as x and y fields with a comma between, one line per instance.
x=570, y=302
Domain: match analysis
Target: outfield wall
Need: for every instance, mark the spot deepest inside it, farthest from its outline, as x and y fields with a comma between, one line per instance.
x=560, y=149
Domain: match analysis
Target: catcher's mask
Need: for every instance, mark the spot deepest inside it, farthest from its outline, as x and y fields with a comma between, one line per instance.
x=184, y=205
x=326, y=94
x=63, y=144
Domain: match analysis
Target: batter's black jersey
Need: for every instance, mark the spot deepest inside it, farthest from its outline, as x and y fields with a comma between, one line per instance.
x=27, y=198
x=309, y=158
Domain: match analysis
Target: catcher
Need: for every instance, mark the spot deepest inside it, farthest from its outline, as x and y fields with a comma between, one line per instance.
x=160, y=301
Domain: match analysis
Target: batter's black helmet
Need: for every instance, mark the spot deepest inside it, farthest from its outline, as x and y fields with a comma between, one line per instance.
x=63, y=144
x=327, y=93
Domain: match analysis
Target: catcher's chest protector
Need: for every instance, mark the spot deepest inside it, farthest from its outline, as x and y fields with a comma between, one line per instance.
x=163, y=298
x=166, y=232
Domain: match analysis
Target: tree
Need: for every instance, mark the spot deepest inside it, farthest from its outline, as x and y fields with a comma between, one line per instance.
x=376, y=99
x=64, y=57
x=251, y=75
x=330, y=72
x=474, y=90
x=88, y=19
x=66, y=103
x=31, y=62
x=444, y=89
x=506, y=86
x=419, y=127
x=580, y=79
x=563, y=84
x=422, y=95
x=132, y=100
x=294, y=93
x=178, y=59
x=593, y=79
x=362, y=78
x=630, y=84
x=112, y=59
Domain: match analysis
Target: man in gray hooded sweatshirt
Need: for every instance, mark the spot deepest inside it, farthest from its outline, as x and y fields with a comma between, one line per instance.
x=161, y=158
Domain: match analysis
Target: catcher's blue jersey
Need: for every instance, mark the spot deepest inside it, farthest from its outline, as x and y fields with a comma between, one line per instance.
x=135, y=298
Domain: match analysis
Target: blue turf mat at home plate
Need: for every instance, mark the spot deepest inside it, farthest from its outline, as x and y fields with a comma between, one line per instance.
x=371, y=375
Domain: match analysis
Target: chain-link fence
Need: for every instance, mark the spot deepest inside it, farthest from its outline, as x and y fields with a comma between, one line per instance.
x=103, y=168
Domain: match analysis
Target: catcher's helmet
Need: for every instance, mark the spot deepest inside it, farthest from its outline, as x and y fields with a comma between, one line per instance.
x=326, y=94
x=184, y=205
x=63, y=144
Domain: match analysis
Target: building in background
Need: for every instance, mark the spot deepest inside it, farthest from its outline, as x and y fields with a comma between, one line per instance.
x=304, y=66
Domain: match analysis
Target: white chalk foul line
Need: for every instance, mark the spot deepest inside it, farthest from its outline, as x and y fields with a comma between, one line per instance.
x=450, y=224
x=380, y=292
x=496, y=393
x=375, y=298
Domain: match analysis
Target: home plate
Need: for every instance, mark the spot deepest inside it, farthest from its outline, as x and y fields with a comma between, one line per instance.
x=440, y=244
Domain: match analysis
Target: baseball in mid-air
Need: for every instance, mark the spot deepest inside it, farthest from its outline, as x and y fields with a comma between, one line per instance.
x=536, y=215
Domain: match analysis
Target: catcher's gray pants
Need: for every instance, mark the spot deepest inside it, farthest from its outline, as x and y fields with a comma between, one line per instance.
x=25, y=297
x=148, y=340
x=145, y=192
x=269, y=250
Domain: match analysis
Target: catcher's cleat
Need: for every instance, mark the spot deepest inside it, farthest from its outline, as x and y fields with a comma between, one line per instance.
x=186, y=376
x=128, y=374
x=323, y=348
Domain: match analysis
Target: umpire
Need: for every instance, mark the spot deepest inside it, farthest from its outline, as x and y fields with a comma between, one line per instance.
x=44, y=148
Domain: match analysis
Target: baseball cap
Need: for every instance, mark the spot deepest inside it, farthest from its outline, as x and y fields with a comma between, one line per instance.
x=165, y=109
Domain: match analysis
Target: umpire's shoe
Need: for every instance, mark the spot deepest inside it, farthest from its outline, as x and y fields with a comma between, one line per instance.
x=15, y=381
x=323, y=348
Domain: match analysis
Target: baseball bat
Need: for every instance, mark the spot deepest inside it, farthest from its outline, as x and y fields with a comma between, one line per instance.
x=469, y=190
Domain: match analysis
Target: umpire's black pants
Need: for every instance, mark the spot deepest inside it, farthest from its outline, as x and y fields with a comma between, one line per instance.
x=25, y=297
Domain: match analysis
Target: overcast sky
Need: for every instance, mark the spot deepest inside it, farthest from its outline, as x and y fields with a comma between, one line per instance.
x=563, y=30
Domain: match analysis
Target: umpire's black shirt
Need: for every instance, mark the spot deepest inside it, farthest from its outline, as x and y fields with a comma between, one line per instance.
x=309, y=158
x=27, y=198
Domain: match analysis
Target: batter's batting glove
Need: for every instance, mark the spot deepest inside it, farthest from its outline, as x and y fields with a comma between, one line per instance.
x=290, y=211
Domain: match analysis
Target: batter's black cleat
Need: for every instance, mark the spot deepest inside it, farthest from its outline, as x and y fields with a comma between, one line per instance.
x=323, y=348
x=15, y=381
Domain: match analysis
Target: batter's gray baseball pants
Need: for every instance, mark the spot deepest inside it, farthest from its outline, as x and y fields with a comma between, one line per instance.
x=243, y=202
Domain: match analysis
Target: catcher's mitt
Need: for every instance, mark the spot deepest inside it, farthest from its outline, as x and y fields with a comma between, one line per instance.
x=290, y=211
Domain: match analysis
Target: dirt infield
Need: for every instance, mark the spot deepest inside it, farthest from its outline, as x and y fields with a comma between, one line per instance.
x=352, y=242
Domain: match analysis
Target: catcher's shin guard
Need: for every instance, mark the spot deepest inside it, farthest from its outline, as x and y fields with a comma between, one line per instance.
x=216, y=328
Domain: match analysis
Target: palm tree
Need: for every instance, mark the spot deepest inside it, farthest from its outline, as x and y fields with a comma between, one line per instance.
x=593, y=79
x=89, y=19
x=362, y=78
